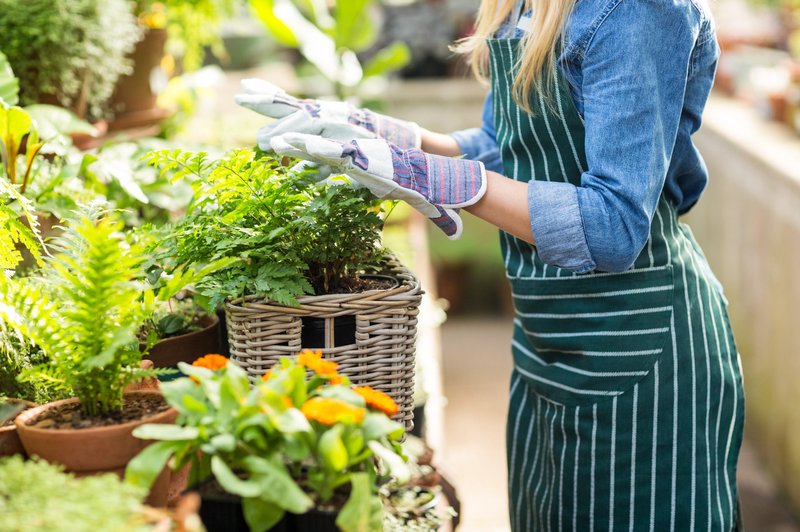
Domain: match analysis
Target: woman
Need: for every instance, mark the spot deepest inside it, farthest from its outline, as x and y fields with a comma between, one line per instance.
x=626, y=407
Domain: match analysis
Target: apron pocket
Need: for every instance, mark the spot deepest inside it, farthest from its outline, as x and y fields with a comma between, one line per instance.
x=580, y=339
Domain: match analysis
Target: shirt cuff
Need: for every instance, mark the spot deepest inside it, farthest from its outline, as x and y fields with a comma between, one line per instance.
x=475, y=144
x=557, y=226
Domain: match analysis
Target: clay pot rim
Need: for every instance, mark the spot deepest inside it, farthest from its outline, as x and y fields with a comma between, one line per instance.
x=21, y=421
x=12, y=426
x=211, y=321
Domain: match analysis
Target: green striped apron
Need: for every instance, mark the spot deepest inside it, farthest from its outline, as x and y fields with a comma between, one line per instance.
x=627, y=407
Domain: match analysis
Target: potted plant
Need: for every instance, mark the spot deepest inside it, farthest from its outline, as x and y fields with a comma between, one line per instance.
x=69, y=52
x=84, y=310
x=300, y=441
x=36, y=495
x=307, y=268
x=179, y=331
x=190, y=25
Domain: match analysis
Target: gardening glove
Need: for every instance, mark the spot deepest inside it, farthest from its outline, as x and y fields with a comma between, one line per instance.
x=335, y=120
x=434, y=185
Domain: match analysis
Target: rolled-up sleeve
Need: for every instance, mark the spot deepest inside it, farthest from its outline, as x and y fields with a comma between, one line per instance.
x=633, y=76
x=480, y=143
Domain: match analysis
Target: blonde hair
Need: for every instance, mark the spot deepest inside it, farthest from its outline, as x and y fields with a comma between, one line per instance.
x=535, y=64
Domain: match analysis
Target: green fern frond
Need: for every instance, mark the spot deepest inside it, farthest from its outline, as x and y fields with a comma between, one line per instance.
x=84, y=311
x=179, y=164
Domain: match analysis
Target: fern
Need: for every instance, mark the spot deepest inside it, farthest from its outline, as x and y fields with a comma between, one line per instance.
x=285, y=235
x=84, y=311
x=15, y=232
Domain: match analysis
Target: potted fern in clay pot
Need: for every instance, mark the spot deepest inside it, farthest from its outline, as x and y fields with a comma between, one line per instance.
x=307, y=268
x=83, y=310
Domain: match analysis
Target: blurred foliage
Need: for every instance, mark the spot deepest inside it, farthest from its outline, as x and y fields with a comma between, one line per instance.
x=329, y=35
x=69, y=51
x=191, y=25
x=35, y=495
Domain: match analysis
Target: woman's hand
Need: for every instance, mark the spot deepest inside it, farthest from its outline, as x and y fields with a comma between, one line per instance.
x=434, y=185
x=335, y=120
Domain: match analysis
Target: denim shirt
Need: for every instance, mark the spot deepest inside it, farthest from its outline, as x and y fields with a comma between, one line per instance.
x=640, y=72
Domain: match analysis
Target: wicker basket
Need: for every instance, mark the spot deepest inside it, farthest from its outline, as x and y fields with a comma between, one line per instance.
x=260, y=332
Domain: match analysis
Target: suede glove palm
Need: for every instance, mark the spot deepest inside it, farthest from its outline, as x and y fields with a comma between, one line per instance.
x=335, y=120
x=434, y=185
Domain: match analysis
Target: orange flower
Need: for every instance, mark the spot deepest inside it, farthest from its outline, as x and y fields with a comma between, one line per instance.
x=212, y=362
x=336, y=379
x=378, y=400
x=288, y=402
x=266, y=375
x=313, y=361
x=331, y=411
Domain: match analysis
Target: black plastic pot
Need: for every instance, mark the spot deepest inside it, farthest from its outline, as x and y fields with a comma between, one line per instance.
x=314, y=332
x=418, y=429
x=224, y=347
x=314, y=520
x=222, y=512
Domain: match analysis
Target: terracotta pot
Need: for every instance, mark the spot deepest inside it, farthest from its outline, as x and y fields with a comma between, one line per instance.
x=85, y=141
x=92, y=451
x=134, y=101
x=9, y=439
x=187, y=347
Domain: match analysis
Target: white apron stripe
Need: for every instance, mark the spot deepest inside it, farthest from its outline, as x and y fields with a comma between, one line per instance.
x=612, y=468
x=637, y=312
x=655, y=447
x=613, y=293
x=633, y=456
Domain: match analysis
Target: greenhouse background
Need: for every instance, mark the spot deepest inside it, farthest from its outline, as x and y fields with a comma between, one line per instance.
x=396, y=59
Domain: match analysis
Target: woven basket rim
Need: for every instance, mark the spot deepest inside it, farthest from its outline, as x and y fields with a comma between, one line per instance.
x=407, y=287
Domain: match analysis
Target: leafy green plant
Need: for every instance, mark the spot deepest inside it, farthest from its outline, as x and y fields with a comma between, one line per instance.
x=70, y=50
x=288, y=443
x=18, y=356
x=84, y=310
x=191, y=25
x=329, y=35
x=284, y=235
x=35, y=495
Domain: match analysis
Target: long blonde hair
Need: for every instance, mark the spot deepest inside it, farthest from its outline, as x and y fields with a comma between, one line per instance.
x=535, y=65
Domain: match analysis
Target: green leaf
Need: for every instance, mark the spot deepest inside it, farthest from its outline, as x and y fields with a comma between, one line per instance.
x=165, y=432
x=230, y=482
x=393, y=57
x=178, y=392
x=377, y=426
x=9, y=84
x=291, y=420
x=277, y=485
x=54, y=122
x=397, y=466
x=261, y=515
x=171, y=324
x=342, y=393
x=266, y=13
x=363, y=511
x=143, y=470
x=224, y=442
x=354, y=28
x=15, y=123
x=354, y=441
x=332, y=449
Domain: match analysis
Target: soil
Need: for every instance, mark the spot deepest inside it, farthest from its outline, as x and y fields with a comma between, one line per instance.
x=70, y=416
x=360, y=284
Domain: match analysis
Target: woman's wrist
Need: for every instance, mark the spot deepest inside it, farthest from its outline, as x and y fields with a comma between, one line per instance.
x=439, y=144
x=505, y=205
